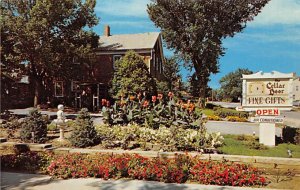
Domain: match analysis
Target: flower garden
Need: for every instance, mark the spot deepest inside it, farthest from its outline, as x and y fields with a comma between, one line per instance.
x=159, y=123
x=180, y=169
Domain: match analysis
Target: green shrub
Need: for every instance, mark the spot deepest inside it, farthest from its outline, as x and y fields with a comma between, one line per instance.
x=11, y=126
x=52, y=127
x=84, y=133
x=289, y=134
x=210, y=106
x=245, y=138
x=225, y=112
x=297, y=136
x=178, y=138
x=255, y=145
x=251, y=142
x=34, y=124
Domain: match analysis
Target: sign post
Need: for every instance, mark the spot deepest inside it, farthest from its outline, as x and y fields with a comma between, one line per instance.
x=267, y=94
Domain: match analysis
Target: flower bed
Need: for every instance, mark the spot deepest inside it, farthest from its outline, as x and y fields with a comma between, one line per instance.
x=236, y=119
x=179, y=169
x=174, y=137
x=153, y=114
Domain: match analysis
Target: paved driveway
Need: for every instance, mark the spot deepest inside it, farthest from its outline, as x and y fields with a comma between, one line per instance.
x=236, y=128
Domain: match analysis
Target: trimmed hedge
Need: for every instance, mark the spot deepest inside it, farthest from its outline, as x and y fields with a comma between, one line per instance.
x=225, y=112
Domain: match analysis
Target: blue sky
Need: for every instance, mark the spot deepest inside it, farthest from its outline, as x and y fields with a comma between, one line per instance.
x=270, y=42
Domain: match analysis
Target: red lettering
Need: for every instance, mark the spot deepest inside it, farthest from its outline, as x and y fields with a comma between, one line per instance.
x=258, y=112
x=276, y=112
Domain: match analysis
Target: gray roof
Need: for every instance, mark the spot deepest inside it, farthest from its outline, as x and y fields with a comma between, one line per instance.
x=129, y=41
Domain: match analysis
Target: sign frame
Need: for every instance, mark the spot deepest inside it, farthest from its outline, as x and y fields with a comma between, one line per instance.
x=261, y=97
x=261, y=77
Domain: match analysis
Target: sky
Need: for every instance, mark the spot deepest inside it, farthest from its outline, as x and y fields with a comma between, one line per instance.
x=271, y=42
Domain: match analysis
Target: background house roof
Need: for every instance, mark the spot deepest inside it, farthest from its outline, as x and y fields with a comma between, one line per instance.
x=129, y=41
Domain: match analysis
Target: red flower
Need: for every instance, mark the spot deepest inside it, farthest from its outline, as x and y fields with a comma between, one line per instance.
x=160, y=96
x=107, y=103
x=153, y=99
x=170, y=94
x=146, y=103
x=103, y=102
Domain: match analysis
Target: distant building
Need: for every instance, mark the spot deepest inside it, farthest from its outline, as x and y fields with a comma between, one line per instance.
x=15, y=91
x=296, y=91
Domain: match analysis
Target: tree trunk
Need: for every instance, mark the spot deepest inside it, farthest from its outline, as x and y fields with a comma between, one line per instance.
x=202, y=92
x=203, y=79
x=37, y=91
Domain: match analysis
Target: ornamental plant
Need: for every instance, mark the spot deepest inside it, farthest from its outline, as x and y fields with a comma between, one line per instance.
x=177, y=138
x=225, y=112
x=28, y=161
x=152, y=113
x=172, y=170
x=34, y=128
x=12, y=126
x=84, y=133
x=236, y=119
x=179, y=169
x=132, y=75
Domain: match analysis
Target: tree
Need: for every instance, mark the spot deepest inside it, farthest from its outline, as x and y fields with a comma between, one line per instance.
x=84, y=133
x=194, y=88
x=132, y=76
x=195, y=29
x=231, y=84
x=35, y=125
x=46, y=36
x=171, y=72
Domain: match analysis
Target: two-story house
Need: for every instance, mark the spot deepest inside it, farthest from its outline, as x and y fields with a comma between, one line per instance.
x=88, y=91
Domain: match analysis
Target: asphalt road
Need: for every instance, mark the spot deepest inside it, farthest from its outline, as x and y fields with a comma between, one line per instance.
x=236, y=128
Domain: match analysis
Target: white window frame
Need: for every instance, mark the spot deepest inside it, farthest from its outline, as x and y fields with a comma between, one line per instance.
x=56, y=90
x=116, y=58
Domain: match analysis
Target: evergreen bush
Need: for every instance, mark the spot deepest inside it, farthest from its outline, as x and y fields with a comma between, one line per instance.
x=84, y=133
x=34, y=124
x=12, y=126
x=225, y=112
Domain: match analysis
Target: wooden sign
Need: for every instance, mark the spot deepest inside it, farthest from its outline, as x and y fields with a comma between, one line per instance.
x=267, y=91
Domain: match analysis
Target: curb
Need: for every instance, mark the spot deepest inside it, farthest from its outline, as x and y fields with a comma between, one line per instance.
x=216, y=157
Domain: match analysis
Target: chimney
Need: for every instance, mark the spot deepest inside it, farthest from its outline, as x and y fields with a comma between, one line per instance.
x=106, y=30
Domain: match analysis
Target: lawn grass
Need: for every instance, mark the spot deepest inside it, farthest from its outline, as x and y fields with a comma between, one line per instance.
x=206, y=111
x=238, y=147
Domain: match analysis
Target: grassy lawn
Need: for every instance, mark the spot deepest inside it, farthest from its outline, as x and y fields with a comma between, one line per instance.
x=205, y=111
x=239, y=147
